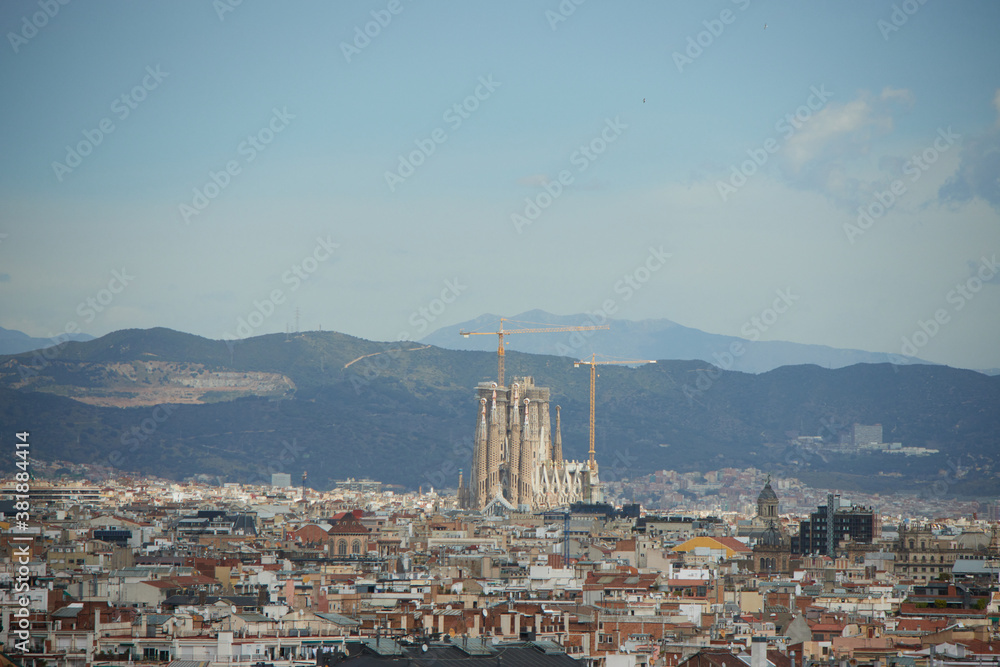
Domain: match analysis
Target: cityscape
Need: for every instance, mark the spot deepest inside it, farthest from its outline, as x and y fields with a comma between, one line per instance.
x=532, y=557
x=533, y=333
x=146, y=570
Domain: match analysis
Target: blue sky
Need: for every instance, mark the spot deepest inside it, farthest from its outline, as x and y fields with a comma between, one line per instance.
x=316, y=212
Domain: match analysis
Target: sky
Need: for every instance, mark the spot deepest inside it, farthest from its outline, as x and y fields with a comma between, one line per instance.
x=824, y=172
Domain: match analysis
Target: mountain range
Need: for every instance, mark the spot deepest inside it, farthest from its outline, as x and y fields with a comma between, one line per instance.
x=13, y=342
x=645, y=339
x=651, y=339
x=161, y=402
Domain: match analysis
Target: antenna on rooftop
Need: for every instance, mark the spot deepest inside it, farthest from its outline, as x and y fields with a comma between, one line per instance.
x=566, y=539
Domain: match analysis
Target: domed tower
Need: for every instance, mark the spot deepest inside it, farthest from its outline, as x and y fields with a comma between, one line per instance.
x=767, y=503
x=771, y=552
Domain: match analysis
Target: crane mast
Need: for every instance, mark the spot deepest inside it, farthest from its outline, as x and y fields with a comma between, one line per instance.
x=593, y=363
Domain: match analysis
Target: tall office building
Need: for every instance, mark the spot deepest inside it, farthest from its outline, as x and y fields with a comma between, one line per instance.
x=833, y=523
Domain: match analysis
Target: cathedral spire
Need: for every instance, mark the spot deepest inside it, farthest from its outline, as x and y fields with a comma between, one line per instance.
x=494, y=445
x=479, y=458
x=514, y=464
x=526, y=463
x=557, y=443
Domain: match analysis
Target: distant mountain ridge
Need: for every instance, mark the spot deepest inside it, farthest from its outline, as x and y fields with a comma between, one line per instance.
x=15, y=342
x=652, y=339
x=405, y=413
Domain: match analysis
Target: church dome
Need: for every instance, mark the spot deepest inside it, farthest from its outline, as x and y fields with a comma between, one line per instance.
x=771, y=537
x=767, y=494
x=974, y=540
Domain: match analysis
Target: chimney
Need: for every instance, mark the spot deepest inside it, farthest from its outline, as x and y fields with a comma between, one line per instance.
x=758, y=652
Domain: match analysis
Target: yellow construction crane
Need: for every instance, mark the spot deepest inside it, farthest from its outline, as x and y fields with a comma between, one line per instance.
x=594, y=363
x=502, y=332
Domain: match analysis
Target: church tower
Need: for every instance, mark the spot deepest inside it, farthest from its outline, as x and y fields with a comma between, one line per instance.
x=767, y=503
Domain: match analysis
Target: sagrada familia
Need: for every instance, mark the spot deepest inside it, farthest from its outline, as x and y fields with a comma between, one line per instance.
x=517, y=465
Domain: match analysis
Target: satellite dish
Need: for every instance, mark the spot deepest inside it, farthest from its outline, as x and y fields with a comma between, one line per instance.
x=423, y=647
x=485, y=613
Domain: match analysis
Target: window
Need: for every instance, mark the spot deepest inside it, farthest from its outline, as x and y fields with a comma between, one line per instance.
x=342, y=548
x=356, y=547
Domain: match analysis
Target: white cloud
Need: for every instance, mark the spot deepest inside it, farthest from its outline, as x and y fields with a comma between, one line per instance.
x=901, y=95
x=833, y=151
x=978, y=174
x=828, y=126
